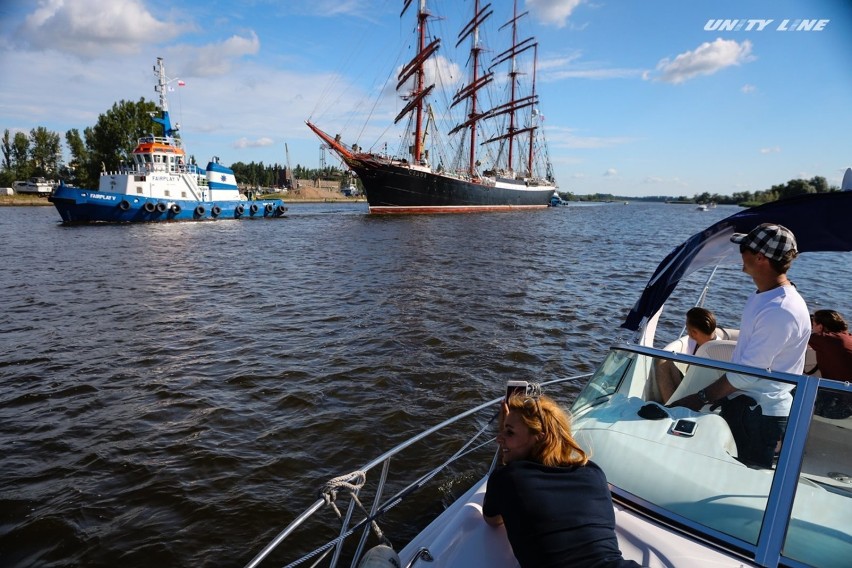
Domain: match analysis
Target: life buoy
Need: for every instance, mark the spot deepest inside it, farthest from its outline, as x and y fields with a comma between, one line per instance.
x=215, y=210
x=124, y=205
x=253, y=209
x=149, y=207
x=199, y=211
x=268, y=208
x=161, y=207
x=175, y=208
x=280, y=210
x=240, y=210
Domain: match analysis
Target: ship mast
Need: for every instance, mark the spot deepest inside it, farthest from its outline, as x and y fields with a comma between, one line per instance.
x=515, y=103
x=513, y=73
x=415, y=68
x=533, y=116
x=468, y=92
x=161, y=88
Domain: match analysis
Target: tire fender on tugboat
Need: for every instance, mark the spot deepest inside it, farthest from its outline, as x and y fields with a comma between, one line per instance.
x=149, y=207
x=161, y=207
x=280, y=210
x=268, y=208
x=215, y=210
x=240, y=210
x=124, y=205
x=199, y=211
x=175, y=208
x=253, y=209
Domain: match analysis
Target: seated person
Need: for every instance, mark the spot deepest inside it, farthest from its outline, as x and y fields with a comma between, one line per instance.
x=555, y=503
x=832, y=342
x=701, y=328
x=774, y=331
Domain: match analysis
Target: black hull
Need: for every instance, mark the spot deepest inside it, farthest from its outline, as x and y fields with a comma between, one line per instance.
x=394, y=188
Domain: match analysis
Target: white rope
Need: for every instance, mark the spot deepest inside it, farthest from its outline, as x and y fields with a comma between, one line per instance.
x=352, y=484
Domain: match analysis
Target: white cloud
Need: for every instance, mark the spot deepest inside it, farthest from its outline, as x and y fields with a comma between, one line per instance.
x=673, y=182
x=554, y=12
x=708, y=58
x=216, y=59
x=601, y=73
x=438, y=70
x=748, y=89
x=773, y=150
x=611, y=172
x=89, y=28
x=566, y=138
x=262, y=142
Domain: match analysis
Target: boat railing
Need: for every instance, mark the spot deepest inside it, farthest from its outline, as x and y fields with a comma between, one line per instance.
x=156, y=168
x=167, y=140
x=483, y=435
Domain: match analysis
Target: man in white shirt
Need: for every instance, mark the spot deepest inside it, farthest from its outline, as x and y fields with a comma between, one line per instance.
x=774, y=334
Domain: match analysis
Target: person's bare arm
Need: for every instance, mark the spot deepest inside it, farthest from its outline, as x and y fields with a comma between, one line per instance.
x=716, y=391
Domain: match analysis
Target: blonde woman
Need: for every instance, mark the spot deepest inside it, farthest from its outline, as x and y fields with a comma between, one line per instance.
x=554, y=502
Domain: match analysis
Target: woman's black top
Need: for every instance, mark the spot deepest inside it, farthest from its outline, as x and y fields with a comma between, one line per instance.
x=556, y=516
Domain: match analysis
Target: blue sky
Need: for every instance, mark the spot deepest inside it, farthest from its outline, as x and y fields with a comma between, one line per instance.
x=639, y=98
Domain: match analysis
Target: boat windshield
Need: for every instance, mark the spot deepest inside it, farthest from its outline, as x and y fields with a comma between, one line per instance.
x=681, y=466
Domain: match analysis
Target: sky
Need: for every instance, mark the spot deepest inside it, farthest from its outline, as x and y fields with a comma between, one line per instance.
x=659, y=97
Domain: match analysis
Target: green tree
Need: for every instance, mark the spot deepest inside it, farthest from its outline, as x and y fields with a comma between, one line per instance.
x=820, y=184
x=20, y=156
x=7, y=175
x=45, y=152
x=75, y=168
x=114, y=137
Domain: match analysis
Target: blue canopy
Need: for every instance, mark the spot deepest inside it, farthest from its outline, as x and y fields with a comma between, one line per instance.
x=820, y=222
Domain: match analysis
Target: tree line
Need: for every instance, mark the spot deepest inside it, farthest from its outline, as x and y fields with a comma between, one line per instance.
x=109, y=144
x=816, y=184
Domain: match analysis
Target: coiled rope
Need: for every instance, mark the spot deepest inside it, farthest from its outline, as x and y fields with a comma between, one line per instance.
x=352, y=484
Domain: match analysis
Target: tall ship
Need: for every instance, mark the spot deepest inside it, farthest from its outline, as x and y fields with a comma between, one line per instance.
x=490, y=158
x=159, y=184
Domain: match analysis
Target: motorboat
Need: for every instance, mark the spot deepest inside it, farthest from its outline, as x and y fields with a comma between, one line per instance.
x=35, y=185
x=680, y=495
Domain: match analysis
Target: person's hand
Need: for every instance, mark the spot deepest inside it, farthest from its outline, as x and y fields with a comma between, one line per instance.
x=692, y=402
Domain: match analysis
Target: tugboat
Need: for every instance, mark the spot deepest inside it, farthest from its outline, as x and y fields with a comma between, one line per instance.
x=159, y=184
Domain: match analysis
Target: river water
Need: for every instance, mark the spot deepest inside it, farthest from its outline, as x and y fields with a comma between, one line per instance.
x=174, y=394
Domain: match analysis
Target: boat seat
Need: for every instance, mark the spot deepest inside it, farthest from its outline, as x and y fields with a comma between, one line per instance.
x=698, y=377
x=811, y=363
x=727, y=334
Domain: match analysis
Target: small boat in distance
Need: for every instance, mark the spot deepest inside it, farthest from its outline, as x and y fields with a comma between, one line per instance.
x=35, y=185
x=160, y=185
x=514, y=172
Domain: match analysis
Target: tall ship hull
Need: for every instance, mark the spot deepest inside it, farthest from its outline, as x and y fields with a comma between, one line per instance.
x=158, y=184
x=393, y=186
x=494, y=159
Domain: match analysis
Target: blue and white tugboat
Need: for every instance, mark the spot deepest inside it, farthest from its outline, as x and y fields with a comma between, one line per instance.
x=159, y=184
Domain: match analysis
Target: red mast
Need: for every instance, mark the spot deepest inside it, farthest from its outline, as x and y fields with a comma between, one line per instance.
x=513, y=73
x=533, y=115
x=415, y=68
x=476, y=81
